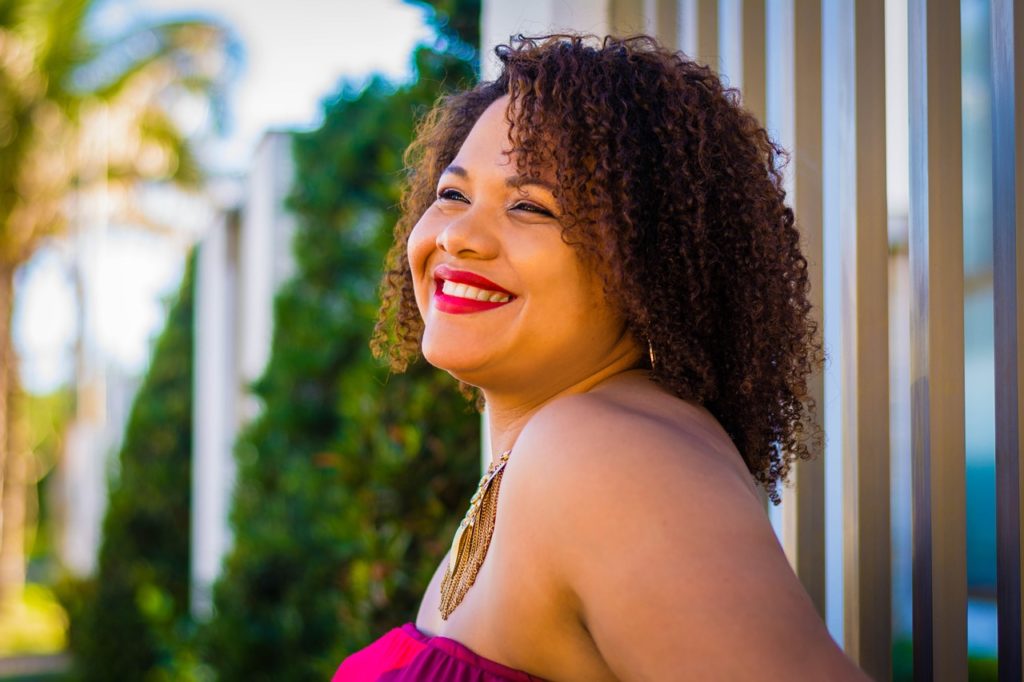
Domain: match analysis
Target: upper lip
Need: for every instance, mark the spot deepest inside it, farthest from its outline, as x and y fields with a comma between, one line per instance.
x=445, y=272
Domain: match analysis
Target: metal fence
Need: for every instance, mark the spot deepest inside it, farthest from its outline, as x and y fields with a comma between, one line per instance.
x=774, y=52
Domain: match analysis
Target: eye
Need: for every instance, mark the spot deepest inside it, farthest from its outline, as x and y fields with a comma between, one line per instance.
x=451, y=194
x=531, y=208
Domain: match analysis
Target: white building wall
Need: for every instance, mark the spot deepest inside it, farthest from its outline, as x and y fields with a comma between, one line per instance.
x=242, y=261
x=103, y=401
x=213, y=412
x=92, y=442
x=265, y=257
x=83, y=488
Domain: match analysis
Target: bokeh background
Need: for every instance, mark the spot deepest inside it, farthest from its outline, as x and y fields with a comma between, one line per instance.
x=205, y=476
x=146, y=375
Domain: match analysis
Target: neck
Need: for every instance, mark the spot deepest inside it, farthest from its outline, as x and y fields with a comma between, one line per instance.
x=507, y=414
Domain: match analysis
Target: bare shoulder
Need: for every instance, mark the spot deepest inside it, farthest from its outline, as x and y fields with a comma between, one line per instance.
x=612, y=458
x=675, y=570
x=635, y=431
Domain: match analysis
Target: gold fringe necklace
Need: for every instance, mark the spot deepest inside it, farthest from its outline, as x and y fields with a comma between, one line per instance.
x=473, y=537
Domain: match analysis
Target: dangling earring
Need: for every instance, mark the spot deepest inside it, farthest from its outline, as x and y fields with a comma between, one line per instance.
x=650, y=352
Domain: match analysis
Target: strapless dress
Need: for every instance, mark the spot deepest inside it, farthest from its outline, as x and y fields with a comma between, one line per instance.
x=407, y=655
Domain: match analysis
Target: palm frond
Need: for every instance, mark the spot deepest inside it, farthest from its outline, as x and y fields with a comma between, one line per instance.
x=59, y=27
x=112, y=101
x=187, y=47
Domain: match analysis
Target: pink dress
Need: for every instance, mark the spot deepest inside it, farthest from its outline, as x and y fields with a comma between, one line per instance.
x=407, y=655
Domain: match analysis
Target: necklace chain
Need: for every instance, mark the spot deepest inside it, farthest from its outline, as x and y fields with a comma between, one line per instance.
x=472, y=539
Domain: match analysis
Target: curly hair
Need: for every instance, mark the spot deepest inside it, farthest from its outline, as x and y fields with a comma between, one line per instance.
x=674, y=193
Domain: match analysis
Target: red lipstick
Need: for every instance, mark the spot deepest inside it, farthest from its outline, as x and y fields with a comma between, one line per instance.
x=447, y=303
x=470, y=278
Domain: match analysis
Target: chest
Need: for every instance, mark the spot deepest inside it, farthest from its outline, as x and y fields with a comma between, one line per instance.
x=516, y=613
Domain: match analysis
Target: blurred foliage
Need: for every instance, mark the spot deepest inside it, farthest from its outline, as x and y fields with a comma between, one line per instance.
x=351, y=481
x=33, y=624
x=457, y=23
x=979, y=668
x=83, y=121
x=47, y=418
x=982, y=669
x=129, y=619
x=77, y=112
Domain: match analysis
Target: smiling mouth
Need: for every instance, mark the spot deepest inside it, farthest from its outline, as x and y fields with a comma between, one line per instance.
x=460, y=292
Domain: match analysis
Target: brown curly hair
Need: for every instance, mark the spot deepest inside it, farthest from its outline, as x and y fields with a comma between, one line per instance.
x=674, y=193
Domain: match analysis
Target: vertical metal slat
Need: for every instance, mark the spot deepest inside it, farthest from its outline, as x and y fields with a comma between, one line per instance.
x=626, y=17
x=698, y=30
x=707, y=33
x=937, y=342
x=1008, y=293
x=663, y=16
x=804, y=511
x=865, y=372
x=753, y=57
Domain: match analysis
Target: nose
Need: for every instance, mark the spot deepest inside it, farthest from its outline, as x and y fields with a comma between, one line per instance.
x=467, y=235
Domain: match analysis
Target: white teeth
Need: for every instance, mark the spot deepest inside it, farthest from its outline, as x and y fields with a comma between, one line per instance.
x=466, y=291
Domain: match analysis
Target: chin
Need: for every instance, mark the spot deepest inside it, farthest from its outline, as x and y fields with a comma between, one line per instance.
x=456, y=359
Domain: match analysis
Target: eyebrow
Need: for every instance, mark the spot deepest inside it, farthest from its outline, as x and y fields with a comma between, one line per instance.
x=513, y=181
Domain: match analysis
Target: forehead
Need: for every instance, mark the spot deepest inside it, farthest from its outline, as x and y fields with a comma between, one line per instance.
x=487, y=141
x=487, y=148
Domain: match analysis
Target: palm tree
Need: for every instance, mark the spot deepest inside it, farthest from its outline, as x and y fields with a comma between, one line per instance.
x=79, y=117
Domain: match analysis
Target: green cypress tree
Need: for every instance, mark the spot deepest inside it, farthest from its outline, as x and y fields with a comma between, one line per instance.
x=351, y=481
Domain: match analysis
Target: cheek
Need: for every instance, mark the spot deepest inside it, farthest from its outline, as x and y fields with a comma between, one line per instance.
x=574, y=280
x=597, y=313
x=572, y=302
x=418, y=248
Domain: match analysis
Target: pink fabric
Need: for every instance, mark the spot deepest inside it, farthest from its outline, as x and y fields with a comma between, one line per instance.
x=405, y=655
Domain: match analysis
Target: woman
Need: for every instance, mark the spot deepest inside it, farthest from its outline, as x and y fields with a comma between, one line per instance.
x=596, y=242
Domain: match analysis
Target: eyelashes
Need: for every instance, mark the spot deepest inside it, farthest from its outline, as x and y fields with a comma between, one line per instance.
x=532, y=208
x=450, y=194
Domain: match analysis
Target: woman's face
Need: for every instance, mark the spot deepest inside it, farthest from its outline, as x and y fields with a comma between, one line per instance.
x=506, y=304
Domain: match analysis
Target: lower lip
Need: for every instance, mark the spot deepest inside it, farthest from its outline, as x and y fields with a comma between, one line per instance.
x=460, y=306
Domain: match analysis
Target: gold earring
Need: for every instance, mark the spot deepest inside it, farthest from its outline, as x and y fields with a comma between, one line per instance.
x=650, y=352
